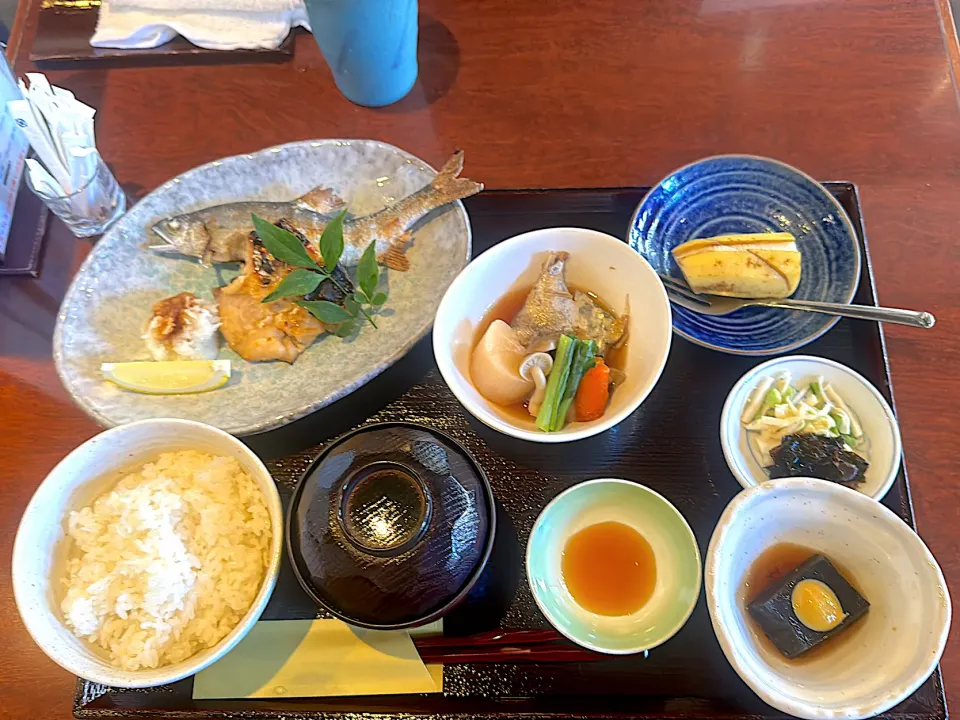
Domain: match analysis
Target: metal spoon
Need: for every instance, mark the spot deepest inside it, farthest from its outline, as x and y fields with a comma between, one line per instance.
x=681, y=294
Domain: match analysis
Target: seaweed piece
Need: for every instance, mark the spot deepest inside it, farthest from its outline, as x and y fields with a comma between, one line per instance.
x=819, y=457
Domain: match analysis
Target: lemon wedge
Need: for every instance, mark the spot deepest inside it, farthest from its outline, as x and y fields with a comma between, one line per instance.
x=177, y=377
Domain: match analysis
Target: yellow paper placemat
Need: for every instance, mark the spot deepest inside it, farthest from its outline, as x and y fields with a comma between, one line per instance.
x=318, y=658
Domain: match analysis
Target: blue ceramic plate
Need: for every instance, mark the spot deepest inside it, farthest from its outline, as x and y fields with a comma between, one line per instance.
x=747, y=194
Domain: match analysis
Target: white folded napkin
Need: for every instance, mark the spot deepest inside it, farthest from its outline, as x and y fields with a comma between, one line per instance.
x=149, y=23
x=216, y=6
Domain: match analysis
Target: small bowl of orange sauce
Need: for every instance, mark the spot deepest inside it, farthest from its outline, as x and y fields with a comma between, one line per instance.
x=614, y=566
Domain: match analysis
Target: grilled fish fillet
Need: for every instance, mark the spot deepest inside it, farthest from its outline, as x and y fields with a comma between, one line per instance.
x=257, y=331
x=551, y=310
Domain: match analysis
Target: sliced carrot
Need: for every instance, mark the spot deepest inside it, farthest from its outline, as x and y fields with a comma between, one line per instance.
x=593, y=393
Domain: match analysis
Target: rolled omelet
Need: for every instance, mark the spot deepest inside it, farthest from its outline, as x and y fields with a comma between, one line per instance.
x=760, y=265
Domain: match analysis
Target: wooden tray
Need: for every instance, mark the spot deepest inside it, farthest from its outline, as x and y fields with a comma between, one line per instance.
x=64, y=29
x=659, y=445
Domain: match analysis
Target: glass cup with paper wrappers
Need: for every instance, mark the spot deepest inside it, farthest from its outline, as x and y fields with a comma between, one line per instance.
x=93, y=207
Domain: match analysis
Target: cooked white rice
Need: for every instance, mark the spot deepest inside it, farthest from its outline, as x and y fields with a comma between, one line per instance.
x=169, y=561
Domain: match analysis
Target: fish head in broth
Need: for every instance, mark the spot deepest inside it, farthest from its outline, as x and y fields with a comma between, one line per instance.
x=552, y=310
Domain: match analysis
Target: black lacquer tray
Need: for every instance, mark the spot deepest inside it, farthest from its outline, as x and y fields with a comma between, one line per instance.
x=671, y=444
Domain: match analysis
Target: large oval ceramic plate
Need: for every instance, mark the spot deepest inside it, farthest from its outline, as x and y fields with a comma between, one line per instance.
x=104, y=311
x=748, y=194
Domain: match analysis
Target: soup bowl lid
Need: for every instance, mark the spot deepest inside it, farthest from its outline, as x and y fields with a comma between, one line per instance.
x=391, y=526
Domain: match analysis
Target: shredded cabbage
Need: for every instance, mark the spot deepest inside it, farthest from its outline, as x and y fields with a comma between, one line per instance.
x=776, y=408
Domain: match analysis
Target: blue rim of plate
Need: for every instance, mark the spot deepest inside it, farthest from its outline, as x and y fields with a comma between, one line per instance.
x=826, y=236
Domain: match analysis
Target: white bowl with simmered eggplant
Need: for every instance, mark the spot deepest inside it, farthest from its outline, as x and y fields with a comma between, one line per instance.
x=553, y=335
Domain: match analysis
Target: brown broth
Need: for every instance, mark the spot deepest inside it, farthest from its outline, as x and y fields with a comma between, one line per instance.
x=609, y=569
x=506, y=309
x=772, y=564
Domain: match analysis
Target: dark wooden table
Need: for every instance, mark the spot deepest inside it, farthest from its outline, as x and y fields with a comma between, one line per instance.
x=556, y=93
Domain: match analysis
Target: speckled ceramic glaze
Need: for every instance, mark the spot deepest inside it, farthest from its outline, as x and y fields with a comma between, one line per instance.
x=746, y=194
x=887, y=655
x=104, y=311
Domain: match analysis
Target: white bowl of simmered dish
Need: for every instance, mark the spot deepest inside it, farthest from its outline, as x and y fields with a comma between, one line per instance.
x=824, y=601
x=553, y=335
x=148, y=552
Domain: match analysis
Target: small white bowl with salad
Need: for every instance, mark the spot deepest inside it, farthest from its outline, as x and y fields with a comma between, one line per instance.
x=805, y=416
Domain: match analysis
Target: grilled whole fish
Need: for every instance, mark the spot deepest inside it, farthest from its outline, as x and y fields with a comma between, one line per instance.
x=219, y=233
x=551, y=310
x=258, y=331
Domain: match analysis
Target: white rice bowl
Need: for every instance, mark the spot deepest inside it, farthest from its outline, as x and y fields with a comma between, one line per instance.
x=166, y=563
x=155, y=545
